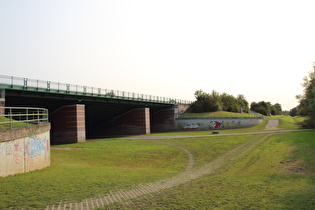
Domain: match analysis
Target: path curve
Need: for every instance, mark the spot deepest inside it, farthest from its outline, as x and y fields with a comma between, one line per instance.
x=125, y=196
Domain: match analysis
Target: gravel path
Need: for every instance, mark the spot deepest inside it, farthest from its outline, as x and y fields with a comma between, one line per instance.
x=124, y=197
x=272, y=124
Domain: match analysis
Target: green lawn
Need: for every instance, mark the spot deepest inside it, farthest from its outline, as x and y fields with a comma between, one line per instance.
x=6, y=123
x=276, y=174
x=96, y=168
x=279, y=174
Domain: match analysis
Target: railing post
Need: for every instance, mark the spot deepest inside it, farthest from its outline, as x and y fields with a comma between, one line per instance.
x=26, y=116
x=10, y=116
x=25, y=83
x=37, y=116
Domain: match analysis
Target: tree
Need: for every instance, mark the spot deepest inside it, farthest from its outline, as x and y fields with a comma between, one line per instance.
x=276, y=109
x=242, y=103
x=294, y=112
x=205, y=102
x=215, y=101
x=307, y=100
x=261, y=107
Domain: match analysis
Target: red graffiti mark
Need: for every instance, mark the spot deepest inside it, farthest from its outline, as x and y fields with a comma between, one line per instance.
x=18, y=155
x=215, y=124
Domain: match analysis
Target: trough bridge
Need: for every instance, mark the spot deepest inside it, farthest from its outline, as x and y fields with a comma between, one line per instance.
x=80, y=112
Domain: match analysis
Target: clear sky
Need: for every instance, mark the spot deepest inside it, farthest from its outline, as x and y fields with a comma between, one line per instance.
x=259, y=48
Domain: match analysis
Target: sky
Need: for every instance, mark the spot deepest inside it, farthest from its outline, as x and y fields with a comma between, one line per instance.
x=170, y=48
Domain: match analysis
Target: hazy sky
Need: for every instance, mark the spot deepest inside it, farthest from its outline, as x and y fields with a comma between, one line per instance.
x=261, y=49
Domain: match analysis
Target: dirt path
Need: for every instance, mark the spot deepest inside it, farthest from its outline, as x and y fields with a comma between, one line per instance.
x=272, y=124
x=190, y=173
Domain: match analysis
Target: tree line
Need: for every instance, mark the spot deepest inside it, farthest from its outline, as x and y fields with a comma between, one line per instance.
x=214, y=101
x=306, y=105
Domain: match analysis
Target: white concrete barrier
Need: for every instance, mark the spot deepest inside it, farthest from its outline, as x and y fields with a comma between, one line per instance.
x=215, y=123
x=24, y=149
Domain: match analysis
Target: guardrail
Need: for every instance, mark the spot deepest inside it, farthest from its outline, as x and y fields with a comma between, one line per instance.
x=57, y=87
x=13, y=117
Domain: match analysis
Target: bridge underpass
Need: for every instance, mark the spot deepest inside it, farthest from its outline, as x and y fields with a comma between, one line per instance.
x=97, y=113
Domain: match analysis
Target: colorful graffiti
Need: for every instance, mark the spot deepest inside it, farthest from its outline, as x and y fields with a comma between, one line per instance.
x=219, y=123
x=216, y=124
x=36, y=146
x=18, y=154
x=30, y=148
x=5, y=148
x=191, y=126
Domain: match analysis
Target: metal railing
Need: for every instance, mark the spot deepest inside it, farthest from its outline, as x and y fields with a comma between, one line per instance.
x=13, y=117
x=57, y=87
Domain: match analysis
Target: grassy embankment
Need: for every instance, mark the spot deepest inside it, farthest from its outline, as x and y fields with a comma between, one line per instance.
x=262, y=178
x=217, y=114
x=6, y=123
x=279, y=174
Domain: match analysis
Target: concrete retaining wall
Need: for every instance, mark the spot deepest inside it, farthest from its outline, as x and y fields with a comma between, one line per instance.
x=24, y=149
x=215, y=123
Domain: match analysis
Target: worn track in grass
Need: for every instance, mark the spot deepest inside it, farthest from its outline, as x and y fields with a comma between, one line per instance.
x=124, y=196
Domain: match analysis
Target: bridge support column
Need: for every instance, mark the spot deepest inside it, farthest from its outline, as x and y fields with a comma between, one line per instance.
x=133, y=122
x=164, y=120
x=68, y=124
x=2, y=101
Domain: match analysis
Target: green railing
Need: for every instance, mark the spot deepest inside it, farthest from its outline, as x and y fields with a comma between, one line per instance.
x=13, y=117
x=10, y=82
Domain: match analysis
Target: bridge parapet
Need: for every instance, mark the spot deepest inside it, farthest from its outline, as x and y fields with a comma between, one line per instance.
x=19, y=83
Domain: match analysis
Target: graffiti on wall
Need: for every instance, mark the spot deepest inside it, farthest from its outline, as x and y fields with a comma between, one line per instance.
x=216, y=124
x=21, y=150
x=37, y=146
x=192, y=126
x=18, y=153
x=5, y=148
x=224, y=124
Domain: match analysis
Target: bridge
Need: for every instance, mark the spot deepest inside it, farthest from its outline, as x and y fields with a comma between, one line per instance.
x=79, y=112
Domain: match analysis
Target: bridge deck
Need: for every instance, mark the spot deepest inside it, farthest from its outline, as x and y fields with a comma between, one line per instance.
x=18, y=83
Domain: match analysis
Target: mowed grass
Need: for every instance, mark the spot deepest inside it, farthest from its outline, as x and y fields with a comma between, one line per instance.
x=278, y=174
x=6, y=123
x=97, y=167
x=92, y=168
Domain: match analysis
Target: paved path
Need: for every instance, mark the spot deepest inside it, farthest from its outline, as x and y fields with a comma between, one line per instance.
x=125, y=196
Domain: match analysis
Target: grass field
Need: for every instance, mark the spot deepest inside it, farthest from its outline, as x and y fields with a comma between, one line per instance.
x=277, y=174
